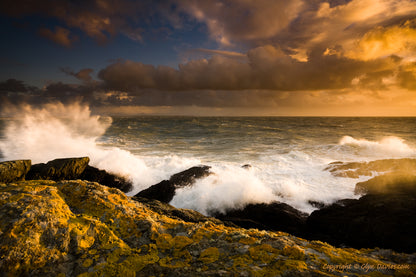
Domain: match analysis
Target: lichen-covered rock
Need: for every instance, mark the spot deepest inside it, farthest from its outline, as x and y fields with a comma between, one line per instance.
x=357, y=169
x=79, y=228
x=165, y=190
x=169, y=210
x=59, y=169
x=11, y=171
x=106, y=179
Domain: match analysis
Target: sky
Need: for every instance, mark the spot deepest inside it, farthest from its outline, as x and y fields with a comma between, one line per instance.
x=211, y=57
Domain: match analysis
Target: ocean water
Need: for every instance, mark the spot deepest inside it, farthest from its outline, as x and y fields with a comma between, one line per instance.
x=287, y=155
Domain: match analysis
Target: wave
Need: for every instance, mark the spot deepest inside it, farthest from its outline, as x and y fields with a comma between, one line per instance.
x=390, y=147
x=59, y=131
x=278, y=172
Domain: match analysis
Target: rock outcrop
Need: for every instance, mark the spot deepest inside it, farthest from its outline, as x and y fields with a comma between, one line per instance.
x=165, y=190
x=382, y=218
x=78, y=228
x=390, y=183
x=273, y=216
x=107, y=179
x=356, y=169
x=59, y=169
x=385, y=221
x=11, y=171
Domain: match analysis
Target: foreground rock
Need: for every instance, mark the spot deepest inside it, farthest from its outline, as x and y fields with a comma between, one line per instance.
x=11, y=171
x=165, y=190
x=59, y=169
x=181, y=214
x=356, y=169
x=77, y=228
x=107, y=179
x=274, y=216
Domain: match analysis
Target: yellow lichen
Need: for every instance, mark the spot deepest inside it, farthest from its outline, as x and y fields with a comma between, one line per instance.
x=294, y=252
x=264, y=253
x=209, y=255
x=87, y=263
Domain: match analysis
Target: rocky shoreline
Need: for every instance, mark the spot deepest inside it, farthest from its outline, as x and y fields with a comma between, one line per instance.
x=66, y=218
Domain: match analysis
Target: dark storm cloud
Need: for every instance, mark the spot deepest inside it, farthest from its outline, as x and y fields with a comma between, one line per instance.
x=267, y=68
x=98, y=19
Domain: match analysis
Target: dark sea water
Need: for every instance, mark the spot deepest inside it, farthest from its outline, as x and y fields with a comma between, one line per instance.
x=287, y=155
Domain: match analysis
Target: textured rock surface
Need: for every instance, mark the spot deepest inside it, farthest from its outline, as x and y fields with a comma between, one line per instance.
x=274, y=216
x=106, y=179
x=356, y=169
x=165, y=190
x=77, y=228
x=375, y=220
x=14, y=170
x=59, y=169
x=397, y=182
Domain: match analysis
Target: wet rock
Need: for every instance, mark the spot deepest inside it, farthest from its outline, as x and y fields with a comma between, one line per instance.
x=388, y=184
x=59, y=169
x=11, y=171
x=374, y=220
x=273, y=216
x=107, y=179
x=356, y=169
x=165, y=190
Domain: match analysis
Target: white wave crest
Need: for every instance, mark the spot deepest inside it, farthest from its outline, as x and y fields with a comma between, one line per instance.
x=389, y=147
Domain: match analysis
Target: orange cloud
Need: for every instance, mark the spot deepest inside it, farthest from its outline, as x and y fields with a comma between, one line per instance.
x=60, y=36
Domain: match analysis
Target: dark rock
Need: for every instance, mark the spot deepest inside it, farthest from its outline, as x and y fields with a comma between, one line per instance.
x=388, y=183
x=189, y=176
x=59, y=169
x=246, y=166
x=274, y=216
x=376, y=220
x=165, y=190
x=170, y=211
x=107, y=179
x=356, y=169
x=317, y=204
x=11, y=171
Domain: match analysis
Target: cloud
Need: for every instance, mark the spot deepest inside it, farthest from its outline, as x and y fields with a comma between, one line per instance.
x=385, y=41
x=82, y=75
x=266, y=67
x=98, y=19
x=60, y=36
x=231, y=21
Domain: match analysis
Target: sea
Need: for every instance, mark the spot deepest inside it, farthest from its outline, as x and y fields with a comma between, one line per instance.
x=252, y=159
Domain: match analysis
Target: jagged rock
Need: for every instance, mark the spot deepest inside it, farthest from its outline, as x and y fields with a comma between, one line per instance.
x=78, y=228
x=375, y=220
x=59, y=169
x=11, y=171
x=273, y=216
x=107, y=179
x=388, y=183
x=165, y=190
x=356, y=169
x=169, y=210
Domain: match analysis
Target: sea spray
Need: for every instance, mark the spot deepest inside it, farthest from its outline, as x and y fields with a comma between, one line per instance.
x=287, y=155
x=57, y=131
